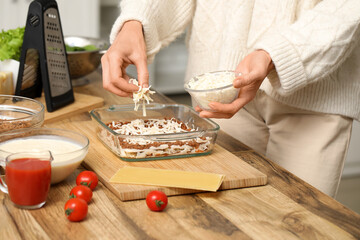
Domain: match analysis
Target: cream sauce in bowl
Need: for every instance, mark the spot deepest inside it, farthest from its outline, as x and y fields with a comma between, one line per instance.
x=67, y=153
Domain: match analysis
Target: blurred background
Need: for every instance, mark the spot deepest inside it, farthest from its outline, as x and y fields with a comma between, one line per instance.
x=94, y=18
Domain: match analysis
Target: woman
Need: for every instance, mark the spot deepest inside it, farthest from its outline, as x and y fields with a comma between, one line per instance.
x=300, y=65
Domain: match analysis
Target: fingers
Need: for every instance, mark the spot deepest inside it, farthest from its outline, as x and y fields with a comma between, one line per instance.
x=115, y=79
x=118, y=91
x=105, y=73
x=125, y=50
x=244, y=80
x=125, y=76
x=143, y=73
x=119, y=78
x=220, y=110
x=254, y=67
x=198, y=109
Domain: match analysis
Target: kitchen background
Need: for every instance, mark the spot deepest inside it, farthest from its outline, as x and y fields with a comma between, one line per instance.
x=94, y=18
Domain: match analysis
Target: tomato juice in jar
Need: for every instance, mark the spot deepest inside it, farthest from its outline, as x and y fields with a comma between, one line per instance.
x=28, y=180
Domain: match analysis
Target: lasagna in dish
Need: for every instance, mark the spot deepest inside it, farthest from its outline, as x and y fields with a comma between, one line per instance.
x=133, y=141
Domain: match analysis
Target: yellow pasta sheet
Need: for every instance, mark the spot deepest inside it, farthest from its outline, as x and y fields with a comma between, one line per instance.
x=168, y=178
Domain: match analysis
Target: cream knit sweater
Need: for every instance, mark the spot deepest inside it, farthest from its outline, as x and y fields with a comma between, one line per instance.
x=315, y=45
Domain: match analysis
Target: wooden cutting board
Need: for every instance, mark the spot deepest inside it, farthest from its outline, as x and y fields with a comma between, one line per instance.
x=100, y=159
x=82, y=103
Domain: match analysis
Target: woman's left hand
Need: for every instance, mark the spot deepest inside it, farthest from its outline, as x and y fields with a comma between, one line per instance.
x=253, y=68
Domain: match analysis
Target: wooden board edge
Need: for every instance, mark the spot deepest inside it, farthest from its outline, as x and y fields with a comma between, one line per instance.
x=231, y=185
x=83, y=109
x=240, y=183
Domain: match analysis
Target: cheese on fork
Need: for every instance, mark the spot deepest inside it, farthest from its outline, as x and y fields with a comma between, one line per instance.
x=143, y=95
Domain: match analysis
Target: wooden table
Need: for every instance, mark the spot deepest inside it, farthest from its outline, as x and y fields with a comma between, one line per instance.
x=285, y=208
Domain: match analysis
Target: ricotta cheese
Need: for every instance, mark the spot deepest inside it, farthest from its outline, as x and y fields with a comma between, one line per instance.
x=213, y=87
x=211, y=80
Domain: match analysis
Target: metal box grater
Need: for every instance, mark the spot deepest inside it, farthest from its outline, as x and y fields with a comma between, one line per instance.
x=43, y=61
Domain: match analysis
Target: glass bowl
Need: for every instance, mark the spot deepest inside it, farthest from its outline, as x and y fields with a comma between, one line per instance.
x=213, y=87
x=142, y=147
x=67, y=147
x=20, y=112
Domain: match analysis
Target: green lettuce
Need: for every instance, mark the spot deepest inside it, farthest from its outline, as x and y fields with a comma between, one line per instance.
x=10, y=43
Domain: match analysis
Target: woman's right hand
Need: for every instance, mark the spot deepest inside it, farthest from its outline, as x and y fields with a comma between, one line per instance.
x=128, y=48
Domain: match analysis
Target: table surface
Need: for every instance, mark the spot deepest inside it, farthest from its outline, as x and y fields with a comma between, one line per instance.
x=285, y=208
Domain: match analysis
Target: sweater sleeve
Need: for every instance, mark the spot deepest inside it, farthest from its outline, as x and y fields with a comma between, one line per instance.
x=162, y=20
x=314, y=46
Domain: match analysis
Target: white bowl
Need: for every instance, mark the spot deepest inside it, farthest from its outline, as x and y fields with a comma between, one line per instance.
x=213, y=87
x=67, y=147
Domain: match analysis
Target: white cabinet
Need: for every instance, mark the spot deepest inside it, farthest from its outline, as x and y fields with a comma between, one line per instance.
x=13, y=13
x=80, y=17
x=170, y=67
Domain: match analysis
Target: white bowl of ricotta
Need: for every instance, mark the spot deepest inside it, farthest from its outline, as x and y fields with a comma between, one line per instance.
x=68, y=148
x=213, y=87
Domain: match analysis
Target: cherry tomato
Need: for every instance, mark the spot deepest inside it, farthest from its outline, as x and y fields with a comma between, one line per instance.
x=82, y=192
x=87, y=178
x=156, y=200
x=76, y=209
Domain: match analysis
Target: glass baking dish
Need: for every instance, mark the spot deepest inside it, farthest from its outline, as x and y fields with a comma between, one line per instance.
x=143, y=147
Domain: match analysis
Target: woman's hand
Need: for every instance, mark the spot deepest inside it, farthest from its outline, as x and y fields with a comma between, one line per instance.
x=253, y=68
x=128, y=48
